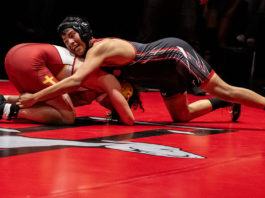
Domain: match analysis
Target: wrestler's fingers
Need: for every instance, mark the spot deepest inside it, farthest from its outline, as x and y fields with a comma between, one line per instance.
x=19, y=104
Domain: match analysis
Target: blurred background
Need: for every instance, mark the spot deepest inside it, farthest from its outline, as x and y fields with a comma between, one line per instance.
x=229, y=34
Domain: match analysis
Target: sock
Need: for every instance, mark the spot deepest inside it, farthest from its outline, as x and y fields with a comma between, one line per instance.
x=217, y=103
x=8, y=111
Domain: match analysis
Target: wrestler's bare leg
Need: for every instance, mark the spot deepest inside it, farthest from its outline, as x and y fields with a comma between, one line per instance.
x=56, y=111
x=12, y=99
x=217, y=87
x=181, y=111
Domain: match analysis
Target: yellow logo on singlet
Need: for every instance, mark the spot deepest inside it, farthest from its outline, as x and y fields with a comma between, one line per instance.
x=48, y=80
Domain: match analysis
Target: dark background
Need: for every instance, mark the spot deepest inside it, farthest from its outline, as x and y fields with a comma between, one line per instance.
x=145, y=21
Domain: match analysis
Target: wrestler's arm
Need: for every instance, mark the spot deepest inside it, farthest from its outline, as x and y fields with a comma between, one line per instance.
x=94, y=58
x=111, y=97
x=109, y=48
x=113, y=88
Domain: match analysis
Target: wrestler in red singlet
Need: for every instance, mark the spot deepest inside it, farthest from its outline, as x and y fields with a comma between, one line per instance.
x=35, y=66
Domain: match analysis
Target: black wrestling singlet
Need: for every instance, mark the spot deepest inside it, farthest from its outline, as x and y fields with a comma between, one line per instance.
x=169, y=64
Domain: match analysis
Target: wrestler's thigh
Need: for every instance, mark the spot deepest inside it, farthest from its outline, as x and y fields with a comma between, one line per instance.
x=27, y=70
x=219, y=88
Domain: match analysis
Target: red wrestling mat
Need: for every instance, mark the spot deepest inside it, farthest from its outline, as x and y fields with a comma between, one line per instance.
x=208, y=157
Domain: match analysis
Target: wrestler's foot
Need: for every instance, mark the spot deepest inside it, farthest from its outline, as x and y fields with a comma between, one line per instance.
x=8, y=111
x=2, y=105
x=2, y=99
x=235, y=112
x=2, y=109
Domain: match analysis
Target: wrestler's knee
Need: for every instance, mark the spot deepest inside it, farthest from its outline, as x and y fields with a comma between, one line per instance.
x=181, y=117
x=178, y=107
x=63, y=118
x=68, y=118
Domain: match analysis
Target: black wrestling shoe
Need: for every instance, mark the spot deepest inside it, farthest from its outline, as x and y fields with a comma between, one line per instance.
x=235, y=112
x=2, y=107
x=2, y=99
x=8, y=111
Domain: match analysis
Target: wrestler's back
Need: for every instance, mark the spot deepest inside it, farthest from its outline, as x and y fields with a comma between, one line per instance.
x=36, y=54
x=28, y=65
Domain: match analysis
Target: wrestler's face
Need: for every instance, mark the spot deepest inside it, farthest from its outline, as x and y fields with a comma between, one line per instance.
x=73, y=42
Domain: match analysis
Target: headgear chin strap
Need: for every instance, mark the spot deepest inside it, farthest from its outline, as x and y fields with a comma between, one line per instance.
x=78, y=24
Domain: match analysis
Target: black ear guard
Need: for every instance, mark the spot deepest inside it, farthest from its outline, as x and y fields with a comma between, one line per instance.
x=78, y=24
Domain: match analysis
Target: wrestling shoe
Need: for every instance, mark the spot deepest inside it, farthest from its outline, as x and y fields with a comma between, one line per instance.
x=2, y=105
x=235, y=112
x=8, y=111
x=2, y=110
x=2, y=99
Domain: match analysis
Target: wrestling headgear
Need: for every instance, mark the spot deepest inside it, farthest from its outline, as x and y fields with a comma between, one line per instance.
x=126, y=89
x=80, y=25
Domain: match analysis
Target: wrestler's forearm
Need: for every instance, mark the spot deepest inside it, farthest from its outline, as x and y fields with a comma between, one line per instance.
x=65, y=86
x=122, y=107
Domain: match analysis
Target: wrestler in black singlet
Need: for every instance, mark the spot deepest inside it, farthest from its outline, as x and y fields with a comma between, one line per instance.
x=169, y=64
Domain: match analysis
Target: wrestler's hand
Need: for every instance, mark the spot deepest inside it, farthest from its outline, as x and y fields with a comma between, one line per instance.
x=26, y=100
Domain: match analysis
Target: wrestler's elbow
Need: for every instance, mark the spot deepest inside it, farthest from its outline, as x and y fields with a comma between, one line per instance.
x=75, y=81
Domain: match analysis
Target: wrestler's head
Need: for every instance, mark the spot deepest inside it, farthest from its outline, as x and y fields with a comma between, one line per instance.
x=76, y=34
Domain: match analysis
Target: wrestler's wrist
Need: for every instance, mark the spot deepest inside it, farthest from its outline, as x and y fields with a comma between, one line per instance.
x=35, y=98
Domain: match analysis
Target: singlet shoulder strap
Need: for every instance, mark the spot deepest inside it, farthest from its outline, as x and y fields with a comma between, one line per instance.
x=93, y=41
